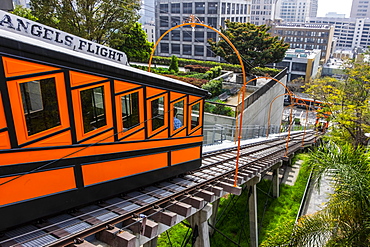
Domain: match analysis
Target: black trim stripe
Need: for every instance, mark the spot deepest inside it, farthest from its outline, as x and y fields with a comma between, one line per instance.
x=72, y=123
x=7, y=106
x=114, y=110
x=4, y=129
x=82, y=146
x=7, y=170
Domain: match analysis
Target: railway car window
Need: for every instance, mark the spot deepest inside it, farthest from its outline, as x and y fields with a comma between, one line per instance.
x=40, y=105
x=195, y=115
x=157, y=113
x=130, y=110
x=93, y=109
x=178, y=115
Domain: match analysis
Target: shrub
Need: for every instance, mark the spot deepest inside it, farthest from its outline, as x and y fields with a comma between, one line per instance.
x=214, y=87
x=174, y=65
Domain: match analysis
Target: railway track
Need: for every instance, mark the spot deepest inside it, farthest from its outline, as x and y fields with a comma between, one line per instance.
x=136, y=217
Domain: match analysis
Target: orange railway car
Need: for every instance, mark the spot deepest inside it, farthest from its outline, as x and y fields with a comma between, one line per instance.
x=77, y=125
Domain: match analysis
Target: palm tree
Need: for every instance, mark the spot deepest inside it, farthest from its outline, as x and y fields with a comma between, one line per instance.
x=345, y=220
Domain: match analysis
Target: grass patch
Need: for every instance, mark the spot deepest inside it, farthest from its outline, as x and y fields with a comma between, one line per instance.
x=275, y=215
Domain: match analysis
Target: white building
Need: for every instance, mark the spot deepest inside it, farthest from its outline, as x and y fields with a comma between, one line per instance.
x=360, y=9
x=350, y=33
x=262, y=10
x=301, y=63
x=296, y=10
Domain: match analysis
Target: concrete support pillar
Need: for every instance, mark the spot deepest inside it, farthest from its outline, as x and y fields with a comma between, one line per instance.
x=151, y=243
x=199, y=221
x=212, y=219
x=275, y=179
x=252, y=202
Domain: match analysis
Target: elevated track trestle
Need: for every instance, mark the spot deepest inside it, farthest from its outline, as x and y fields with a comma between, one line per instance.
x=134, y=218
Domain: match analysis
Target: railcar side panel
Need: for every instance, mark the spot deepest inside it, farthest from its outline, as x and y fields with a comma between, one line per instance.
x=28, y=186
x=75, y=131
x=183, y=155
x=110, y=170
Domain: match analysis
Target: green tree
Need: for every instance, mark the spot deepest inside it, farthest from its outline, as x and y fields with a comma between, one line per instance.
x=174, y=65
x=24, y=12
x=347, y=101
x=133, y=42
x=256, y=46
x=95, y=20
x=345, y=219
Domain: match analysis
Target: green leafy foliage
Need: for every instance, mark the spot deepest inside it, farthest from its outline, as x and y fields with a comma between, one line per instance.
x=256, y=46
x=95, y=20
x=174, y=65
x=24, y=12
x=347, y=102
x=214, y=87
x=133, y=43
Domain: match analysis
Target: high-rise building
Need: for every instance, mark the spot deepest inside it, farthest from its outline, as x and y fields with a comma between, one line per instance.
x=296, y=10
x=306, y=36
x=360, y=9
x=350, y=33
x=262, y=10
x=188, y=42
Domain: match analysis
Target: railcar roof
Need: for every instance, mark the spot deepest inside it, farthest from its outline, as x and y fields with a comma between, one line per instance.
x=54, y=48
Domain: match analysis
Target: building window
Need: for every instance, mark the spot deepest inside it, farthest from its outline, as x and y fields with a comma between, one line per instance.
x=175, y=48
x=223, y=8
x=187, y=36
x=93, y=108
x=199, y=36
x=175, y=35
x=163, y=8
x=212, y=21
x=166, y=36
x=187, y=8
x=211, y=35
x=186, y=50
x=163, y=21
x=200, y=8
x=199, y=50
x=40, y=105
x=212, y=8
x=299, y=66
x=175, y=8
x=175, y=20
x=165, y=48
x=130, y=111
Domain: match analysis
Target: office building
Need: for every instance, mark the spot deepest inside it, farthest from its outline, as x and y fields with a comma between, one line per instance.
x=296, y=10
x=262, y=11
x=306, y=36
x=188, y=42
x=350, y=33
x=360, y=9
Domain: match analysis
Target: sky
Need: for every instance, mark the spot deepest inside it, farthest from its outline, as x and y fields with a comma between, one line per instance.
x=339, y=6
